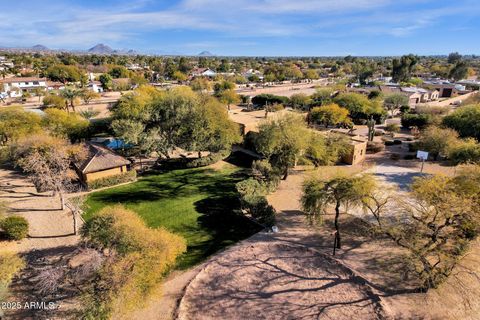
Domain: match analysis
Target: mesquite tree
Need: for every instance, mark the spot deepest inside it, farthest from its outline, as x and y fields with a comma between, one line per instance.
x=319, y=194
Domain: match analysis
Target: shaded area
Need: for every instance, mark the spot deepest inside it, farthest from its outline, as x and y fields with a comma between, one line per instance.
x=199, y=204
x=278, y=281
x=24, y=288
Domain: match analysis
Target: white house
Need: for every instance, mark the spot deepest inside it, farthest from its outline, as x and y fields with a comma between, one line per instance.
x=15, y=87
x=203, y=72
x=95, y=86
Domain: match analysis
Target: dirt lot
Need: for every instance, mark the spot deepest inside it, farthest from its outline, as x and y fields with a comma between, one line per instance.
x=291, y=274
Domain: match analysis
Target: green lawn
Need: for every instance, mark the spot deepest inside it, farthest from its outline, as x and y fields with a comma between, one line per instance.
x=199, y=204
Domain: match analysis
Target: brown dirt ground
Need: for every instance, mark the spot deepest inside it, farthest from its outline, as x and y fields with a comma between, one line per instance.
x=272, y=275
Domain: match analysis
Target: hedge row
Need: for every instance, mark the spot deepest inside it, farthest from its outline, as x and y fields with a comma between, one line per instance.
x=183, y=163
x=252, y=196
x=208, y=160
x=113, y=180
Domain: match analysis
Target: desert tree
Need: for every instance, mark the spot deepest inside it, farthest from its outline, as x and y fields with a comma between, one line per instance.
x=435, y=223
x=394, y=101
x=47, y=161
x=320, y=194
x=282, y=140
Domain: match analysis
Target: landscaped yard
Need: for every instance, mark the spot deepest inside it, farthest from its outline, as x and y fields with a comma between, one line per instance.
x=199, y=204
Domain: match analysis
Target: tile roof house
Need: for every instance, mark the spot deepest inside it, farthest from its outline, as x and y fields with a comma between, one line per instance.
x=101, y=162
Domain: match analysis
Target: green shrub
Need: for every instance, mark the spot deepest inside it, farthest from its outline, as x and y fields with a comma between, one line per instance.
x=415, y=120
x=465, y=120
x=54, y=101
x=113, y=180
x=252, y=195
x=141, y=257
x=467, y=151
x=392, y=127
x=15, y=227
x=262, y=212
x=208, y=160
x=264, y=98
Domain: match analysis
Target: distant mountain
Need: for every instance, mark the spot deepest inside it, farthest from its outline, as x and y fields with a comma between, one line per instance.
x=101, y=49
x=205, y=54
x=40, y=47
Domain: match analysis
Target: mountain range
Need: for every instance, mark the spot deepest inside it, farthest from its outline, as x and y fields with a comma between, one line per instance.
x=99, y=49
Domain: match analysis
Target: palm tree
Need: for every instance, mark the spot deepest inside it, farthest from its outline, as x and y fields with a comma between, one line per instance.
x=318, y=194
x=70, y=94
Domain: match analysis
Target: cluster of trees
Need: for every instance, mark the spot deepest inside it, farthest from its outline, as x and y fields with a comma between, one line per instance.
x=285, y=140
x=159, y=121
x=67, y=99
x=16, y=123
x=434, y=225
x=455, y=136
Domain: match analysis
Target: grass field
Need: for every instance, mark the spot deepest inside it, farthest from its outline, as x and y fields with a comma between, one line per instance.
x=199, y=204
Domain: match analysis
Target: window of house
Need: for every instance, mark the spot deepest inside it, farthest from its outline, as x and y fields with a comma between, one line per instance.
x=36, y=82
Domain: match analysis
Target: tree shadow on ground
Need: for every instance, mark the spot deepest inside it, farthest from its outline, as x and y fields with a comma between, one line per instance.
x=23, y=288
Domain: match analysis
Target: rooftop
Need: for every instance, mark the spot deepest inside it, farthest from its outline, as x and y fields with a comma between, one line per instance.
x=101, y=158
x=22, y=79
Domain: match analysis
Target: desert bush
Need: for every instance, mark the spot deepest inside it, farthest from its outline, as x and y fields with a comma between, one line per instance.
x=415, y=120
x=113, y=180
x=138, y=260
x=375, y=147
x=466, y=151
x=434, y=111
x=10, y=264
x=392, y=128
x=14, y=227
x=54, y=101
x=49, y=280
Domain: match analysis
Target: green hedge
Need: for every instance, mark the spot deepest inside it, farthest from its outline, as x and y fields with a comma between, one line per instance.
x=252, y=196
x=183, y=163
x=418, y=120
x=14, y=227
x=113, y=180
x=208, y=160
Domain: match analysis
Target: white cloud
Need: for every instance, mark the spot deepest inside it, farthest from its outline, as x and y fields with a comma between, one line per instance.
x=57, y=25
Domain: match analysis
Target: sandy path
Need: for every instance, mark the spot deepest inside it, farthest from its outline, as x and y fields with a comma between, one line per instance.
x=278, y=276
x=50, y=227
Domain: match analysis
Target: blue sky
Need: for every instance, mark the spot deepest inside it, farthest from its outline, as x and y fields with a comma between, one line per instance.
x=247, y=27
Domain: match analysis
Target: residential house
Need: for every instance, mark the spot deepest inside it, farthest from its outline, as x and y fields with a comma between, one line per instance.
x=446, y=89
x=415, y=94
x=203, y=72
x=101, y=162
x=357, y=148
x=251, y=72
x=95, y=86
x=15, y=87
